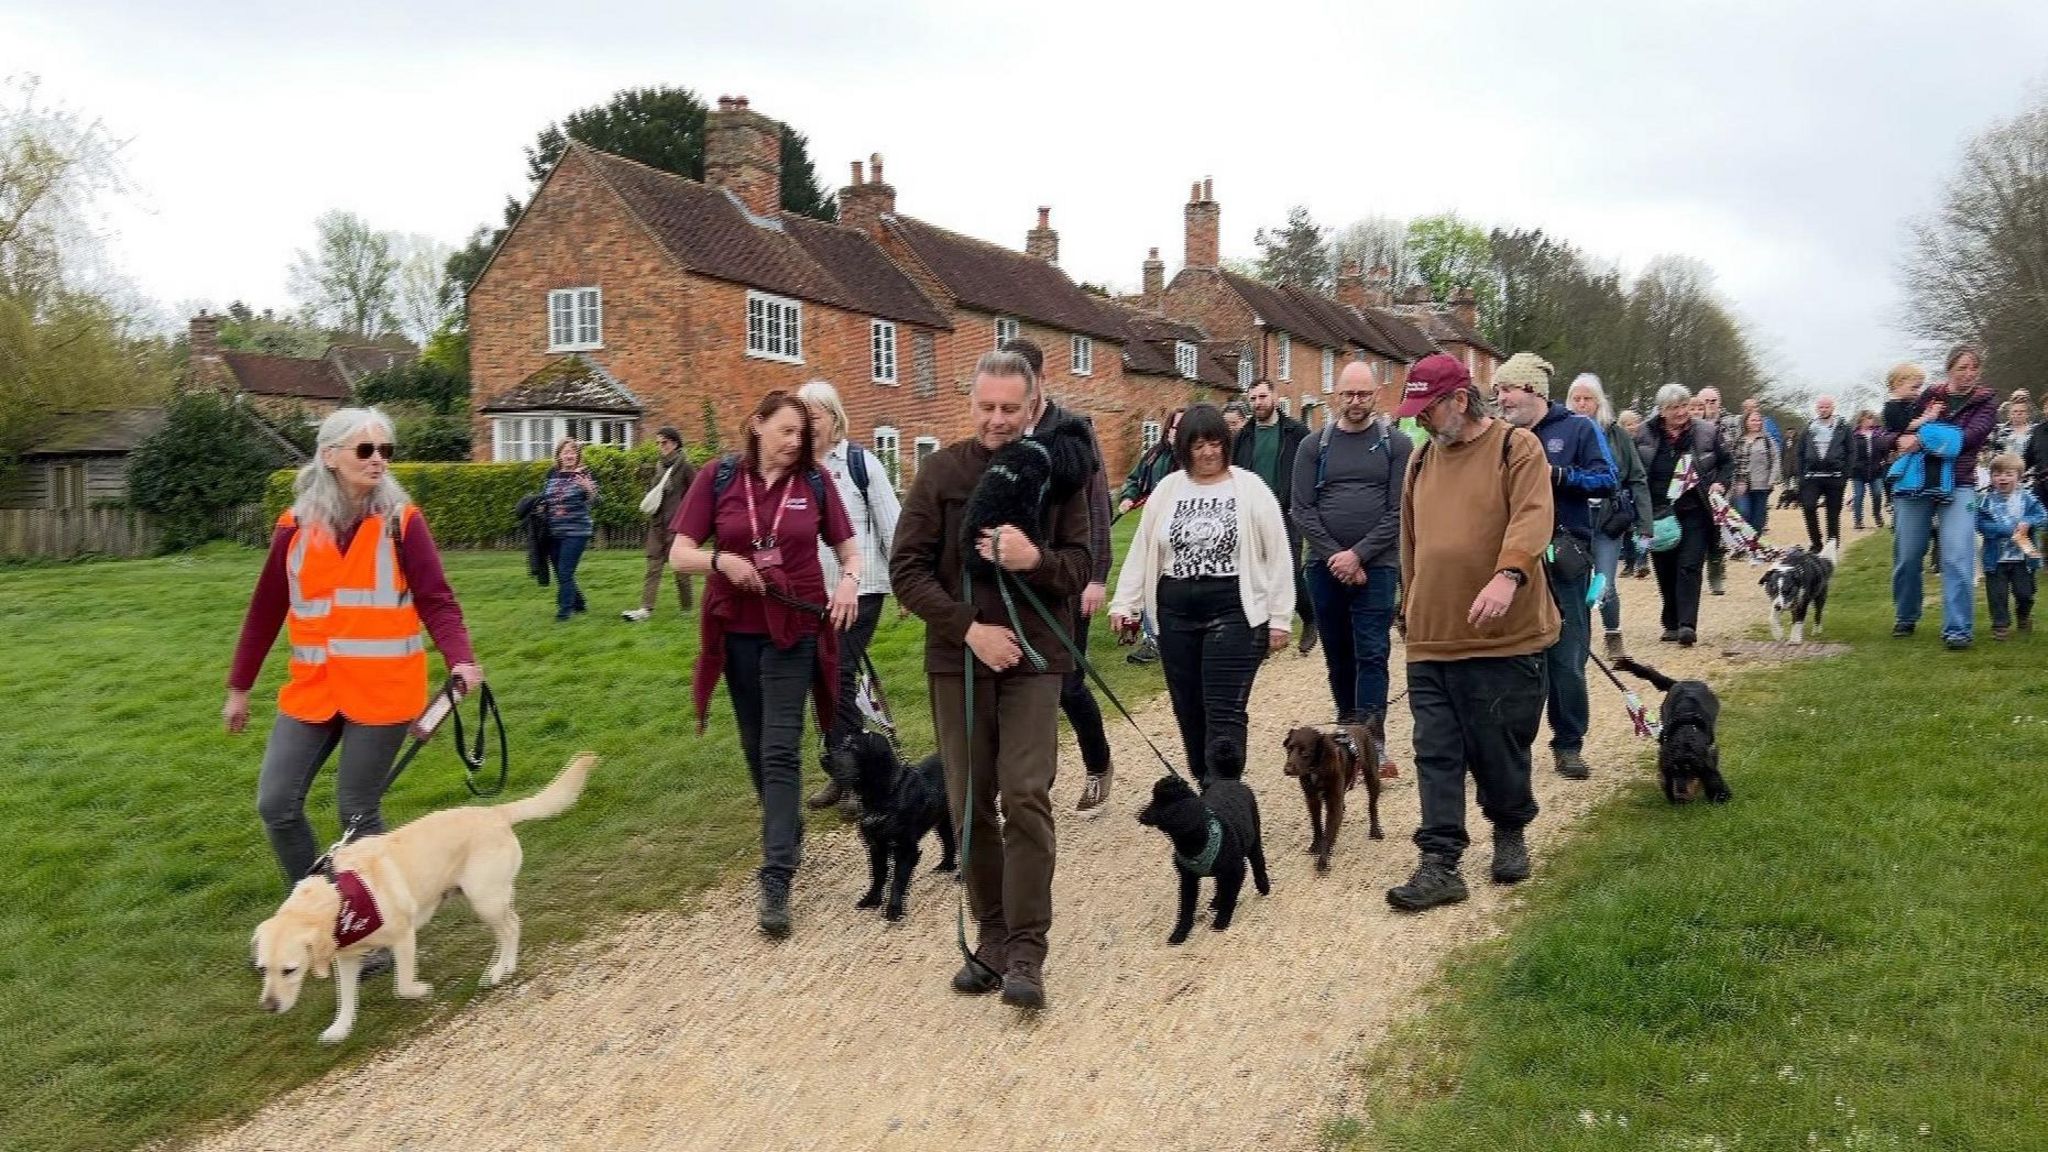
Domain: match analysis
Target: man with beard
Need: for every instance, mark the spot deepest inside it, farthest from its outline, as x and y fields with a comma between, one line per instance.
x=1266, y=446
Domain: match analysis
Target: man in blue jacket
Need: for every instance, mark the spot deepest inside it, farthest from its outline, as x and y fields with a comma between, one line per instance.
x=1580, y=470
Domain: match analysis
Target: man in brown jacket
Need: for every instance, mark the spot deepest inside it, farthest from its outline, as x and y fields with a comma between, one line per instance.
x=674, y=474
x=1476, y=516
x=1009, y=864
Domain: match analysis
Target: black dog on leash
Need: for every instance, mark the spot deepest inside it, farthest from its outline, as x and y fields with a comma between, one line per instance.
x=1215, y=835
x=1688, y=752
x=1024, y=478
x=898, y=805
x=1798, y=581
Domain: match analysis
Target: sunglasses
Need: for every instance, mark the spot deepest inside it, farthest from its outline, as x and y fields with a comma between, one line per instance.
x=364, y=450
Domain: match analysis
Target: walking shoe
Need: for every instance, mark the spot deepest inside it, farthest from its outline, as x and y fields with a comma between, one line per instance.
x=2026, y=624
x=986, y=975
x=1717, y=588
x=1308, y=638
x=636, y=615
x=1570, y=765
x=1510, y=856
x=2000, y=633
x=1436, y=881
x=1145, y=653
x=1024, y=985
x=1615, y=649
x=1094, y=793
x=1955, y=643
x=1669, y=636
x=1642, y=572
x=376, y=962
x=827, y=796
x=1903, y=628
x=775, y=908
x=1687, y=637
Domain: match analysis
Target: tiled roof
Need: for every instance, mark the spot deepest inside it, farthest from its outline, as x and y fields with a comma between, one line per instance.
x=709, y=232
x=1149, y=340
x=112, y=432
x=1347, y=322
x=1448, y=327
x=1413, y=342
x=574, y=383
x=991, y=278
x=356, y=361
x=1276, y=309
x=260, y=374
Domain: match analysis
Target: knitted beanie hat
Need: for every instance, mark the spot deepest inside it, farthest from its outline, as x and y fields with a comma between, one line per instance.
x=1525, y=370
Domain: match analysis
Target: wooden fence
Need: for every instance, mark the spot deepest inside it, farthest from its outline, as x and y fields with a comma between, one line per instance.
x=115, y=532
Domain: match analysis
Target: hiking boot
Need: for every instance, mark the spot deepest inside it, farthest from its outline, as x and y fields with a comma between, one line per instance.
x=1145, y=653
x=985, y=976
x=376, y=962
x=775, y=908
x=1571, y=766
x=1510, y=856
x=2001, y=633
x=636, y=615
x=1615, y=649
x=1669, y=636
x=1903, y=628
x=1308, y=638
x=1024, y=985
x=827, y=796
x=1687, y=637
x=1436, y=881
x=2026, y=624
x=849, y=806
x=1094, y=793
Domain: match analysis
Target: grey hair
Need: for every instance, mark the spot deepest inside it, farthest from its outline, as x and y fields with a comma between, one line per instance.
x=1589, y=381
x=1009, y=364
x=825, y=396
x=317, y=497
x=1627, y=414
x=1673, y=394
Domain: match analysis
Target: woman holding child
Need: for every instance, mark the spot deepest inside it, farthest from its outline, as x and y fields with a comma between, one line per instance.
x=1947, y=519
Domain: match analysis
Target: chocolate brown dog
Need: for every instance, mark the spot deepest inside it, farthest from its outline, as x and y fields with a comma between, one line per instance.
x=1328, y=765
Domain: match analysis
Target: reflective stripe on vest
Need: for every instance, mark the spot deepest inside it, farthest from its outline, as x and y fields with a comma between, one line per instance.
x=308, y=655
x=293, y=565
x=405, y=647
x=356, y=647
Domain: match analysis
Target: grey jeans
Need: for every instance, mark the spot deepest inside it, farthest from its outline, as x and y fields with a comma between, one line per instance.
x=291, y=760
x=770, y=688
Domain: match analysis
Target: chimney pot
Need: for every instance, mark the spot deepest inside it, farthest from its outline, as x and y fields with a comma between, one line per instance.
x=739, y=102
x=1203, y=218
x=857, y=181
x=1154, y=280
x=1152, y=254
x=1208, y=188
x=1044, y=216
x=1042, y=241
x=1195, y=192
x=875, y=166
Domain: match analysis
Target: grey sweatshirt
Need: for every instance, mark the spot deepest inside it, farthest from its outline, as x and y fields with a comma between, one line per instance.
x=1359, y=507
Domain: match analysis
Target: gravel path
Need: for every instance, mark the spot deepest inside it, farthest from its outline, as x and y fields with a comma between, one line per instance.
x=693, y=1032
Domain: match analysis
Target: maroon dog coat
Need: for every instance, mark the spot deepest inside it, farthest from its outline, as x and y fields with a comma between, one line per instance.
x=358, y=916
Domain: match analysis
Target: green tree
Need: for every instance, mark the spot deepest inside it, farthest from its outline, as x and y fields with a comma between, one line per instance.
x=242, y=329
x=204, y=461
x=1449, y=254
x=349, y=280
x=1296, y=253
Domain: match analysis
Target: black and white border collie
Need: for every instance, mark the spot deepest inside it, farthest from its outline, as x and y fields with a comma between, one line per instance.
x=1798, y=581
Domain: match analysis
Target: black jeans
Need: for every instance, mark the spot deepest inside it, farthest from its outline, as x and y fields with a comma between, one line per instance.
x=1304, y=604
x=769, y=687
x=291, y=760
x=1210, y=655
x=1083, y=713
x=2014, y=579
x=853, y=645
x=1678, y=569
x=1816, y=492
x=1481, y=716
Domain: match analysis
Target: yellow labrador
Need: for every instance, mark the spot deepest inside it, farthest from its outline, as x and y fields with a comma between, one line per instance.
x=405, y=873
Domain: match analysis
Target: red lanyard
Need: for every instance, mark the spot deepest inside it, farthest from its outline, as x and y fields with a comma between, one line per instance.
x=754, y=520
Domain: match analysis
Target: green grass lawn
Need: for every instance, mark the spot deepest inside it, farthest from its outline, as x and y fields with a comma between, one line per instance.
x=133, y=868
x=1852, y=955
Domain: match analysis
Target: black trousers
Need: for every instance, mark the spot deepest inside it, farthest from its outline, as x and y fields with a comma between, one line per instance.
x=853, y=645
x=1210, y=655
x=1478, y=716
x=770, y=687
x=1815, y=493
x=1304, y=604
x=2009, y=584
x=1679, y=569
x=1083, y=713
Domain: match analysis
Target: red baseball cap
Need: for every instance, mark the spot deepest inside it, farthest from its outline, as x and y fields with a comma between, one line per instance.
x=1432, y=379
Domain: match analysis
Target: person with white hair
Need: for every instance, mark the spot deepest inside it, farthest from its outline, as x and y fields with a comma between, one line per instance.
x=1621, y=519
x=1686, y=459
x=352, y=574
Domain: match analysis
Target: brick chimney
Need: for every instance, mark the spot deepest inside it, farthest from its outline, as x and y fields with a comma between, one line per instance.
x=205, y=365
x=1415, y=294
x=743, y=155
x=1154, y=281
x=1465, y=307
x=1379, y=287
x=1351, y=285
x=1042, y=241
x=1203, y=219
x=863, y=203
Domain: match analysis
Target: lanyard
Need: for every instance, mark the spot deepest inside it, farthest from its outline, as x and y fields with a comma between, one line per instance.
x=754, y=520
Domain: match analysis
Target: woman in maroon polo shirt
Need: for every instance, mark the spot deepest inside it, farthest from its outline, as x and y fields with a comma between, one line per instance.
x=765, y=610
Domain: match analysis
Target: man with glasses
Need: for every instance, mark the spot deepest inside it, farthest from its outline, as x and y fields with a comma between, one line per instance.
x=1346, y=503
x=1267, y=446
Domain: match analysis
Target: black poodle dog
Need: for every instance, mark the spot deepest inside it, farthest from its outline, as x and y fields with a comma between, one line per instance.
x=898, y=805
x=1024, y=478
x=1688, y=750
x=1208, y=840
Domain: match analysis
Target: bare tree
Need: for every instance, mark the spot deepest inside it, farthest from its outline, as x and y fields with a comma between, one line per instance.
x=350, y=279
x=424, y=302
x=1374, y=241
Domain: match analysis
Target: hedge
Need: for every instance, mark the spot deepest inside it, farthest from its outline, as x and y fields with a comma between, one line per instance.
x=472, y=505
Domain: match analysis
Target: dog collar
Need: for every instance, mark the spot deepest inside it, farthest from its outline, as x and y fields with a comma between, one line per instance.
x=358, y=916
x=1203, y=864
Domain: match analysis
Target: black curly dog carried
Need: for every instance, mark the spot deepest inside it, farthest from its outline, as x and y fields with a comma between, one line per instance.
x=899, y=804
x=1214, y=834
x=1688, y=750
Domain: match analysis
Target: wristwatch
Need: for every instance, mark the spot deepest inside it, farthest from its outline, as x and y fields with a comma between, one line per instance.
x=1519, y=577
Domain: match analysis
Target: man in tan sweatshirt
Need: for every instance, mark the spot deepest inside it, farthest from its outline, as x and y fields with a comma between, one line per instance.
x=1476, y=517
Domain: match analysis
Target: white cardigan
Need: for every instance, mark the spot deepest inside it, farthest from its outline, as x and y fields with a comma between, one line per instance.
x=1265, y=572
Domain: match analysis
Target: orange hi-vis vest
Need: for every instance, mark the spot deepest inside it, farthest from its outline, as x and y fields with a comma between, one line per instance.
x=355, y=635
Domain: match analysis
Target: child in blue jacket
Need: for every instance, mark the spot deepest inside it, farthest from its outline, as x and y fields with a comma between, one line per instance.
x=2010, y=519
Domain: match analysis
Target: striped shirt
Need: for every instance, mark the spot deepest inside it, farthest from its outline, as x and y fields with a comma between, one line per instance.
x=874, y=513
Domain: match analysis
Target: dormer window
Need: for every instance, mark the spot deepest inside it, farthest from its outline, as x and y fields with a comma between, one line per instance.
x=1186, y=359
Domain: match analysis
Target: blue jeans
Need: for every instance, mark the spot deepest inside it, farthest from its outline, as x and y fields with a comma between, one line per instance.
x=1953, y=527
x=1565, y=666
x=1755, y=507
x=1606, y=562
x=1355, y=624
x=1856, y=490
x=568, y=554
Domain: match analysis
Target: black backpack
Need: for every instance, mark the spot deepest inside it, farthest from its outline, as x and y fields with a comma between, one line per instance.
x=728, y=467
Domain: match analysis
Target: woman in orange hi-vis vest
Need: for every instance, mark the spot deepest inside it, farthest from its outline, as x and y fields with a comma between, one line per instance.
x=351, y=575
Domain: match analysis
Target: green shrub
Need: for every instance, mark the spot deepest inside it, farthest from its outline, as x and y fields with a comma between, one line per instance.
x=438, y=438
x=205, y=461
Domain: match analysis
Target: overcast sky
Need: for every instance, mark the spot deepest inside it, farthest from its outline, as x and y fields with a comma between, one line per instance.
x=1785, y=144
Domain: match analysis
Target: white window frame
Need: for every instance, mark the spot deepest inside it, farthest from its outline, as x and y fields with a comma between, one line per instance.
x=1148, y=435
x=1329, y=370
x=882, y=351
x=1283, y=360
x=576, y=319
x=1082, y=350
x=888, y=448
x=1308, y=405
x=1007, y=328
x=1244, y=373
x=775, y=328
x=1187, y=359
x=923, y=447
x=1286, y=408
x=521, y=436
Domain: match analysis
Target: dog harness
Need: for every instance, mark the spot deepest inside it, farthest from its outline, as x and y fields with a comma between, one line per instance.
x=358, y=916
x=1205, y=863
